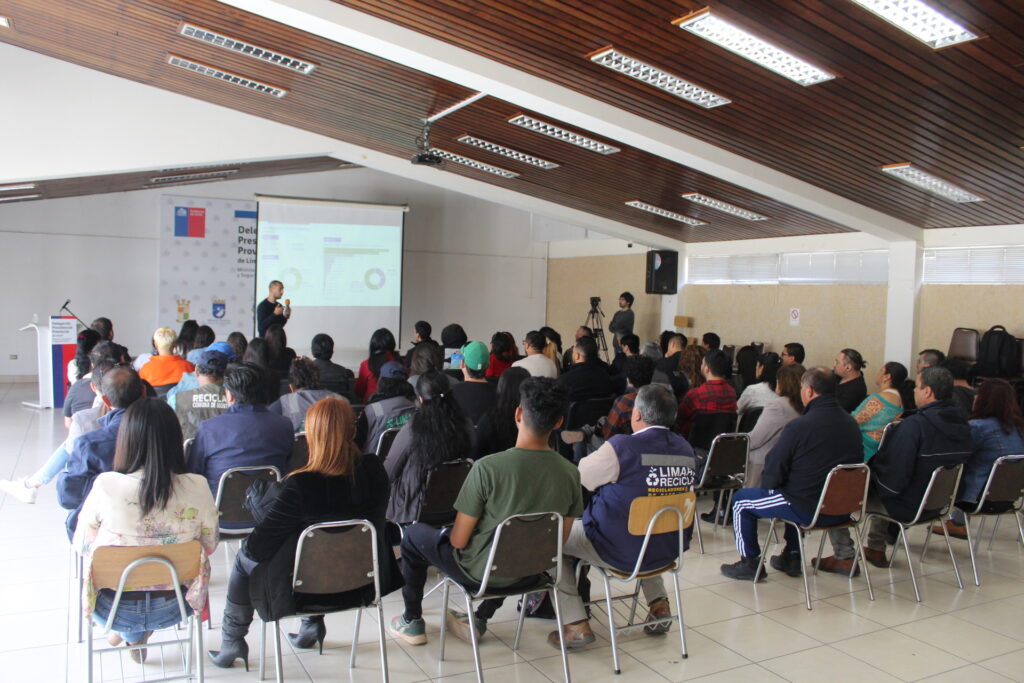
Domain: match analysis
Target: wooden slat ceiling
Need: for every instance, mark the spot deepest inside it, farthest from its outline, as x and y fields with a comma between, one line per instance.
x=374, y=103
x=957, y=112
x=143, y=180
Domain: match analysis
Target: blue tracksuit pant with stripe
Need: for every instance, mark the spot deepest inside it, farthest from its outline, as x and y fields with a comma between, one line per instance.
x=750, y=505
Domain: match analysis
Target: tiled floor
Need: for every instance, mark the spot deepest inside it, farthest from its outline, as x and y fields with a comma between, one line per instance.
x=735, y=631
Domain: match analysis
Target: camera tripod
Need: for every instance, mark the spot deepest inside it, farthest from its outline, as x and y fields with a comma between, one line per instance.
x=595, y=321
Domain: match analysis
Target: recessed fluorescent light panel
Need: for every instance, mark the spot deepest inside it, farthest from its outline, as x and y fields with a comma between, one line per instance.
x=212, y=175
x=553, y=131
x=926, y=181
x=185, y=182
x=746, y=45
x=17, y=197
x=473, y=163
x=929, y=26
x=226, y=76
x=507, y=152
x=205, y=35
x=704, y=200
x=19, y=186
x=644, y=72
x=664, y=213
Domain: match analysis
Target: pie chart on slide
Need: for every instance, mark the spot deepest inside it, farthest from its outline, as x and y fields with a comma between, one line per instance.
x=292, y=277
x=374, y=278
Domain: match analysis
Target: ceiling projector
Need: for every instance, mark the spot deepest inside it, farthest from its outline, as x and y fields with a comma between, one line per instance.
x=427, y=158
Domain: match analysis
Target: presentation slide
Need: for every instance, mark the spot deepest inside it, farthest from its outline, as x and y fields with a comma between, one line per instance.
x=341, y=266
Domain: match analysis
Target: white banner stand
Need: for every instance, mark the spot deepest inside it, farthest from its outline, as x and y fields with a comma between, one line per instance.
x=44, y=352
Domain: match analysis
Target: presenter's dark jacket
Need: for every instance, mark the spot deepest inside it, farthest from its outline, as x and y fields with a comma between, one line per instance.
x=807, y=450
x=265, y=316
x=92, y=455
x=308, y=498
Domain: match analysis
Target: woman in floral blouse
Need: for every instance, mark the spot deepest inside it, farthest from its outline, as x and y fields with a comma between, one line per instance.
x=147, y=500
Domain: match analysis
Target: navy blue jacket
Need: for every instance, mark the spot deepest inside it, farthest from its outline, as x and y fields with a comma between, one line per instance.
x=244, y=436
x=93, y=454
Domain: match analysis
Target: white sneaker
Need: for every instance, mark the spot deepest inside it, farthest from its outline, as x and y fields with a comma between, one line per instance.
x=18, y=488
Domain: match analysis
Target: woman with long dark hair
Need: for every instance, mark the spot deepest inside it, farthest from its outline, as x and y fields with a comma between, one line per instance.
x=504, y=353
x=437, y=432
x=186, y=337
x=762, y=392
x=382, y=350
x=497, y=430
x=878, y=410
x=238, y=343
x=204, y=337
x=257, y=353
x=422, y=359
x=148, y=499
x=80, y=394
x=279, y=355
x=338, y=483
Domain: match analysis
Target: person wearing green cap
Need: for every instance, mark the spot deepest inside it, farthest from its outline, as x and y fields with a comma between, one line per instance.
x=475, y=395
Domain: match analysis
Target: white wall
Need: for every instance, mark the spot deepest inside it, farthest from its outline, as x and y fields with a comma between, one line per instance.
x=466, y=260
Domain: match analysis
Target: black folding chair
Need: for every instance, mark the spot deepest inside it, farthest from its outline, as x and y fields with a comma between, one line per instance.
x=723, y=473
x=387, y=437
x=300, y=452
x=748, y=419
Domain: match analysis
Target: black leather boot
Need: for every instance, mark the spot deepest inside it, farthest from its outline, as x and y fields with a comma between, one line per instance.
x=312, y=632
x=233, y=629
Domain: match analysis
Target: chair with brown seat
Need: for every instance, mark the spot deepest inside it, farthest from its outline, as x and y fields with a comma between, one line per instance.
x=133, y=568
x=964, y=345
x=845, y=494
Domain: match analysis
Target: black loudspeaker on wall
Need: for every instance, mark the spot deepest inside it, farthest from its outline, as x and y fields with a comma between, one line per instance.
x=662, y=272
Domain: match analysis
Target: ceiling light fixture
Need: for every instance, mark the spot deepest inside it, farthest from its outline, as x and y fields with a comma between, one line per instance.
x=19, y=186
x=513, y=154
x=18, y=197
x=193, y=176
x=725, y=207
x=184, y=182
x=227, y=76
x=664, y=213
x=929, y=26
x=642, y=71
x=909, y=174
x=724, y=34
x=241, y=47
x=553, y=131
x=473, y=163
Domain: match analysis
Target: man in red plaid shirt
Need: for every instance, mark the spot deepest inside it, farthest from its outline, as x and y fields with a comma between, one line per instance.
x=715, y=395
x=639, y=370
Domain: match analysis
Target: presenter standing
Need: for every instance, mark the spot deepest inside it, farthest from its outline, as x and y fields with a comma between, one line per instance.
x=271, y=311
x=622, y=321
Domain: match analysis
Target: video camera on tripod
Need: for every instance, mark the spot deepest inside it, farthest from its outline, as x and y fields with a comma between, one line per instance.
x=595, y=321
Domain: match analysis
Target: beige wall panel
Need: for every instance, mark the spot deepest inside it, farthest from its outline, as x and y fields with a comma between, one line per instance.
x=832, y=317
x=572, y=281
x=946, y=307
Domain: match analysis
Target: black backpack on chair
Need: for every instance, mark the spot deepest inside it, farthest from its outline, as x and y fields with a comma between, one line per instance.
x=997, y=355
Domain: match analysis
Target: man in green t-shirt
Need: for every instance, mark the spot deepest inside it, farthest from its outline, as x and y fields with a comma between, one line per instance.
x=526, y=479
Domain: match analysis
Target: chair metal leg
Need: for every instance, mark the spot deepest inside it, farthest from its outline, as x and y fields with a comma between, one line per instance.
x=473, y=638
x=81, y=586
x=187, y=664
x=636, y=599
x=278, y=659
x=981, y=529
x=444, y=614
x=927, y=538
x=383, y=641
x=1020, y=527
x=952, y=557
x=696, y=527
x=821, y=548
x=519, y=623
x=803, y=564
x=611, y=622
x=764, y=550
x=263, y=649
x=718, y=508
x=679, y=614
x=859, y=557
x=355, y=639
x=553, y=591
x=971, y=547
x=199, y=651
x=910, y=561
x=88, y=650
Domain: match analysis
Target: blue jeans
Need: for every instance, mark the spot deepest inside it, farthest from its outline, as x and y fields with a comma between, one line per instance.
x=138, y=613
x=54, y=464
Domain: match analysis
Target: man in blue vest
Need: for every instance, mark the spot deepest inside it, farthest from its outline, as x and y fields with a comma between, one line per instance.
x=652, y=461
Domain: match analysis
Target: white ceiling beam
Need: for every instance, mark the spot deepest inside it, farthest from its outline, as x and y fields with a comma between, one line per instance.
x=346, y=26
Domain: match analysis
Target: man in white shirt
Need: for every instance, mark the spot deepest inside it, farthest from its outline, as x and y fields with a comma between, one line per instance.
x=535, y=362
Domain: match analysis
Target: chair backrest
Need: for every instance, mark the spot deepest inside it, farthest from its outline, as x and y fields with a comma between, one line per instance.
x=758, y=346
x=588, y=411
x=938, y=497
x=524, y=545
x=730, y=351
x=387, y=437
x=187, y=447
x=1005, y=482
x=886, y=431
x=748, y=420
x=727, y=459
x=964, y=344
x=231, y=492
x=642, y=512
x=706, y=426
x=845, y=492
x=437, y=505
x=110, y=562
x=163, y=389
x=300, y=452
x=334, y=557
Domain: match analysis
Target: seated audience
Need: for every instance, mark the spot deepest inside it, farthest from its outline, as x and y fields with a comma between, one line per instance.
x=690, y=364
x=794, y=476
x=496, y=431
x=535, y=362
x=338, y=483
x=930, y=358
x=104, y=327
x=618, y=472
x=85, y=342
x=963, y=393
x=669, y=370
x=503, y=353
x=190, y=380
x=336, y=378
x=304, y=386
x=746, y=368
x=553, y=348
x=715, y=395
x=421, y=336
x=438, y=432
x=186, y=336
x=165, y=369
x=878, y=410
x=639, y=373
x=475, y=395
x=238, y=343
x=588, y=376
x=382, y=350
x=81, y=394
x=783, y=409
x=204, y=337
x=424, y=358
x=147, y=499
x=279, y=355
x=663, y=341
x=256, y=353
x=630, y=344
x=195, y=406
x=246, y=435
x=711, y=341
x=997, y=429
x=391, y=406
x=453, y=338
x=581, y=331
x=851, y=389
x=93, y=452
x=498, y=486
x=762, y=392
x=792, y=354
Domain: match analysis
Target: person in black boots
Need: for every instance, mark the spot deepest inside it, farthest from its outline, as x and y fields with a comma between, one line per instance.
x=338, y=483
x=794, y=475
